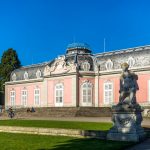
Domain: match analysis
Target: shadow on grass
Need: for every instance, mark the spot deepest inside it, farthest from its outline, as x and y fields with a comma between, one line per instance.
x=91, y=144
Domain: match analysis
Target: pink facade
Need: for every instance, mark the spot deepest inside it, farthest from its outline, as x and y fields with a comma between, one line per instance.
x=51, y=93
x=78, y=79
x=144, y=91
x=67, y=91
x=18, y=88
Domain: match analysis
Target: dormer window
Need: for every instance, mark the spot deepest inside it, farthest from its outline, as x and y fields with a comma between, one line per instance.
x=14, y=77
x=86, y=66
x=109, y=64
x=38, y=73
x=131, y=62
x=26, y=75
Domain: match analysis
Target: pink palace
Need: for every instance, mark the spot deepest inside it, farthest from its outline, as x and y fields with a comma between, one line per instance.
x=78, y=79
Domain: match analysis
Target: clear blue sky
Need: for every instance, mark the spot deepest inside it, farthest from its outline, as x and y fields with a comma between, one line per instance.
x=40, y=30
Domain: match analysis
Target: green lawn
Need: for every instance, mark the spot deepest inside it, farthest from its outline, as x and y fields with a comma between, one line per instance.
x=9, y=141
x=57, y=124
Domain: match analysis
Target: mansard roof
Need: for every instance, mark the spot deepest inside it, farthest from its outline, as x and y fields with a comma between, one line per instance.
x=35, y=65
x=140, y=57
x=30, y=69
x=123, y=51
x=108, y=61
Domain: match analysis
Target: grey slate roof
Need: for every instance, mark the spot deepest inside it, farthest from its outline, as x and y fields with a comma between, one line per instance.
x=31, y=70
x=141, y=55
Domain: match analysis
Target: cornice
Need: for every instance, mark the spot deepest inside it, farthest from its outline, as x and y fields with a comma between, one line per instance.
x=118, y=71
x=24, y=81
x=123, y=51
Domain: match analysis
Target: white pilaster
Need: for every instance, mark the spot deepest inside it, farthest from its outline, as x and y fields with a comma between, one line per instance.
x=44, y=92
x=6, y=96
x=96, y=91
x=74, y=91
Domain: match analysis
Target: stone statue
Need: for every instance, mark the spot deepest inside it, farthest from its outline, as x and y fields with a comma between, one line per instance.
x=127, y=114
x=128, y=86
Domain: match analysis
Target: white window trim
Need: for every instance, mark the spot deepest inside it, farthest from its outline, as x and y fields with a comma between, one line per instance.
x=107, y=63
x=111, y=102
x=14, y=77
x=37, y=95
x=26, y=75
x=22, y=103
x=38, y=74
x=62, y=103
x=86, y=66
x=86, y=103
x=14, y=96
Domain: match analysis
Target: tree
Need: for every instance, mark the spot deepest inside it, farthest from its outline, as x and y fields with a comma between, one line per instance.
x=9, y=62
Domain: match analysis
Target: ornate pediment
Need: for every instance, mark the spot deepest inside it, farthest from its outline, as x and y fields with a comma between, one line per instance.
x=47, y=70
x=59, y=67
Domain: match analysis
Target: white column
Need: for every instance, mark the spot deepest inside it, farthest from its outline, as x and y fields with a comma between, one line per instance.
x=74, y=91
x=44, y=94
x=96, y=91
x=6, y=95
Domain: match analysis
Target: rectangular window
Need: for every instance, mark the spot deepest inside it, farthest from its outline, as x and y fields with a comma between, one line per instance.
x=59, y=95
x=37, y=96
x=84, y=98
x=24, y=97
x=59, y=91
x=108, y=93
x=12, y=98
x=86, y=94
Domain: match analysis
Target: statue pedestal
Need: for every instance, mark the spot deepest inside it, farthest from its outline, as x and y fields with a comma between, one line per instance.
x=127, y=124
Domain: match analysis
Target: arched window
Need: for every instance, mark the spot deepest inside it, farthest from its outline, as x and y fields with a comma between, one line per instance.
x=12, y=97
x=108, y=93
x=37, y=96
x=86, y=66
x=26, y=75
x=131, y=61
x=14, y=77
x=109, y=65
x=59, y=92
x=24, y=97
x=87, y=94
x=38, y=73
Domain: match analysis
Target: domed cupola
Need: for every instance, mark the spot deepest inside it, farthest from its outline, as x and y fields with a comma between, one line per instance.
x=79, y=48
